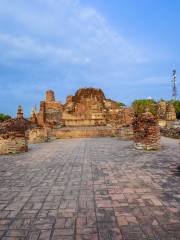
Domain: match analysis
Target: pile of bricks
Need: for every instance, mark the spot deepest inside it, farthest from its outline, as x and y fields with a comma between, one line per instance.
x=146, y=132
x=171, y=132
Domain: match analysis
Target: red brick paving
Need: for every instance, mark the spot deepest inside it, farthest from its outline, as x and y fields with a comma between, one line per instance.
x=90, y=189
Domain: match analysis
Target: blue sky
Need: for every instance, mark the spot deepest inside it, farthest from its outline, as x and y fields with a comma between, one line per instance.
x=126, y=47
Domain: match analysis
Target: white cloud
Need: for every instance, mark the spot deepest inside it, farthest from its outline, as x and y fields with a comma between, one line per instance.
x=21, y=47
x=64, y=32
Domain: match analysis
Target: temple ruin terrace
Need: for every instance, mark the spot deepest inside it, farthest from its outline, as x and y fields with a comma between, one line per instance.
x=90, y=169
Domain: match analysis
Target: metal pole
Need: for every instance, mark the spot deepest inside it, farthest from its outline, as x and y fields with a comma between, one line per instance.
x=174, y=90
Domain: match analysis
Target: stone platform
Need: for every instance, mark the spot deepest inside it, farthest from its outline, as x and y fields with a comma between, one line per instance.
x=90, y=189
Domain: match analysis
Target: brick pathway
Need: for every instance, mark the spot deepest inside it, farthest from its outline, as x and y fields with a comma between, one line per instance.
x=89, y=189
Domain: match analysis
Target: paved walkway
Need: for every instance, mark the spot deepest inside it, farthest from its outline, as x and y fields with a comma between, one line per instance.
x=90, y=189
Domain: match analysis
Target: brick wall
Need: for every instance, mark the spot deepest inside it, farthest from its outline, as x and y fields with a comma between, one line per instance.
x=125, y=132
x=13, y=143
x=37, y=135
x=80, y=132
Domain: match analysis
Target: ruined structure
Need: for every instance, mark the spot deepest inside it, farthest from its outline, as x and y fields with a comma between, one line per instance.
x=12, y=134
x=170, y=112
x=80, y=114
x=50, y=113
x=37, y=134
x=166, y=113
x=86, y=114
x=146, y=132
x=88, y=107
x=171, y=132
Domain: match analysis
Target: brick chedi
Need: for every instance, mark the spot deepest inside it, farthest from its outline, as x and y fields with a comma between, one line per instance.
x=12, y=134
x=33, y=117
x=86, y=108
x=146, y=132
x=50, y=111
x=89, y=107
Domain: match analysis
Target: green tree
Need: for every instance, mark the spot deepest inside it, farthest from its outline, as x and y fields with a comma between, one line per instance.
x=121, y=104
x=4, y=117
x=141, y=105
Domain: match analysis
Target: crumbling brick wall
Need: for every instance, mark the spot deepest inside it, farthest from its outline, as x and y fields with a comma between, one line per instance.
x=38, y=135
x=13, y=143
x=12, y=136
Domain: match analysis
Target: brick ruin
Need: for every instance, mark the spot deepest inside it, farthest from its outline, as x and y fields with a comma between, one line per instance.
x=85, y=108
x=166, y=113
x=79, y=116
x=50, y=113
x=12, y=134
x=146, y=132
x=88, y=107
x=86, y=114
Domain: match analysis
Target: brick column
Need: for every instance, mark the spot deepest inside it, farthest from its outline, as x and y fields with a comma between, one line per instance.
x=146, y=132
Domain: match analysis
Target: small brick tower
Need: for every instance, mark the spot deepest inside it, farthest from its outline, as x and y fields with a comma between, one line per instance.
x=20, y=112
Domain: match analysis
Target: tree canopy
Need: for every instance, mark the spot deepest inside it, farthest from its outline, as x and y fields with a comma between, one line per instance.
x=4, y=117
x=121, y=104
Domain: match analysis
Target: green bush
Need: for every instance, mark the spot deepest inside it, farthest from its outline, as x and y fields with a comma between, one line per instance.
x=141, y=105
x=4, y=117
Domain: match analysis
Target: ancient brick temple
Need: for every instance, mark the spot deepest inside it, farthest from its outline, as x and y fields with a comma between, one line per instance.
x=87, y=113
x=88, y=107
x=12, y=134
x=146, y=132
